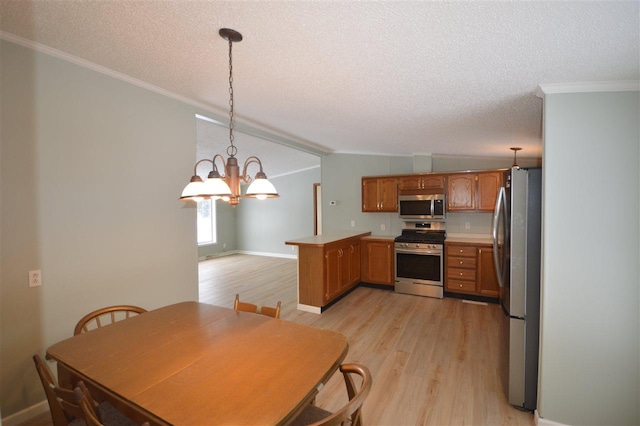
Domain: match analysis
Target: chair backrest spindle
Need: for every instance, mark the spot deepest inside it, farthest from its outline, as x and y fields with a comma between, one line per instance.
x=96, y=316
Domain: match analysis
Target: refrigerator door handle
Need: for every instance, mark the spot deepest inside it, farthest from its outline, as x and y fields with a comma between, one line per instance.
x=500, y=200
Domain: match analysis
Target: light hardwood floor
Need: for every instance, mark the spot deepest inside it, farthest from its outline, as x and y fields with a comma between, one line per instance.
x=433, y=361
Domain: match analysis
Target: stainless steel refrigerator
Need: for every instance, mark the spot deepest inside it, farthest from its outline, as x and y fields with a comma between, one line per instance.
x=516, y=251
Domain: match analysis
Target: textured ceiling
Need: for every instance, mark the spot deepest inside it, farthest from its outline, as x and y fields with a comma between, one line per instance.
x=388, y=77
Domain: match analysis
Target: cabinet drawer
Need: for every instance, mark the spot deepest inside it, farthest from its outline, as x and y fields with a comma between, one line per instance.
x=462, y=274
x=463, y=251
x=462, y=262
x=464, y=286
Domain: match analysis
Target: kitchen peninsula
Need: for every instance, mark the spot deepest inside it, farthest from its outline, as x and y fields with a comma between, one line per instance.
x=328, y=266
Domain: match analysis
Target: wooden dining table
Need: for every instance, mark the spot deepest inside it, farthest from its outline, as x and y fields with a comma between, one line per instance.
x=198, y=364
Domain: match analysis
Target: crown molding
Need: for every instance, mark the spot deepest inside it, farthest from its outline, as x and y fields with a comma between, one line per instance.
x=586, y=87
x=214, y=113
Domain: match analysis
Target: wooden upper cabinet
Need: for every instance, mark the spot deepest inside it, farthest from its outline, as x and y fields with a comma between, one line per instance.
x=416, y=184
x=473, y=191
x=379, y=194
x=370, y=202
x=461, y=192
x=488, y=185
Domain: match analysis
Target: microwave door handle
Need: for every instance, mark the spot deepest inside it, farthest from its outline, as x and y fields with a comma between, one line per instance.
x=500, y=200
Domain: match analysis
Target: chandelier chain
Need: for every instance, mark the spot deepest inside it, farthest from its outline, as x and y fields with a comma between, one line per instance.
x=231, y=150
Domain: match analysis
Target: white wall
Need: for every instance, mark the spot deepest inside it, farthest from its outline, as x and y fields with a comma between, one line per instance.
x=264, y=225
x=91, y=172
x=342, y=183
x=590, y=331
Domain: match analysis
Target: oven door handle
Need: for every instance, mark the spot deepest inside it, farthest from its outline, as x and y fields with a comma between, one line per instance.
x=436, y=252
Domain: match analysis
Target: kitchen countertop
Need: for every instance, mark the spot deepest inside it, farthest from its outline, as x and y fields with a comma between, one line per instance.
x=321, y=240
x=469, y=238
x=380, y=237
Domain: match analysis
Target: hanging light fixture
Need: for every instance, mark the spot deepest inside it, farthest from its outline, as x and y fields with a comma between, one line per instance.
x=515, y=150
x=227, y=186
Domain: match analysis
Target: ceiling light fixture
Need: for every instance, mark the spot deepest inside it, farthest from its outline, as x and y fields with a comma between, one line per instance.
x=515, y=150
x=227, y=187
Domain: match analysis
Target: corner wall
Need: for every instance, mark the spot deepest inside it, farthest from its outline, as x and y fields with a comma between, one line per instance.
x=590, y=330
x=91, y=171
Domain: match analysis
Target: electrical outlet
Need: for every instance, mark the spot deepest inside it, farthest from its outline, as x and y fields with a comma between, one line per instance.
x=467, y=225
x=353, y=223
x=35, y=278
x=382, y=227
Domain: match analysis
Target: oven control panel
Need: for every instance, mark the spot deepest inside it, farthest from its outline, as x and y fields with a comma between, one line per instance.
x=419, y=246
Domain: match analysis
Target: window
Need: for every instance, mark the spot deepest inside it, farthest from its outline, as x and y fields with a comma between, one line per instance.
x=206, y=222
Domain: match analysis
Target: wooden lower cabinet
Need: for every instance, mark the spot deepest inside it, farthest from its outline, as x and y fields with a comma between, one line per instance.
x=342, y=266
x=487, y=279
x=378, y=261
x=469, y=269
x=328, y=266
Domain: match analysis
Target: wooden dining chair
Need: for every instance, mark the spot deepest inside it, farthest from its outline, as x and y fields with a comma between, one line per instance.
x=272, y=312
x=54, y=394
x=65, y=409
x=351, y=412
x=108, y=315
x=244, y=306
x=100, y=416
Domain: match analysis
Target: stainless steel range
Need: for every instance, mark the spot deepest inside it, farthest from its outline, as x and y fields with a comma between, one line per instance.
x=419, y=262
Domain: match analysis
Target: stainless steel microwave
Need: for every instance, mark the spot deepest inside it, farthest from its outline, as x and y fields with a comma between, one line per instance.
x=426, y=206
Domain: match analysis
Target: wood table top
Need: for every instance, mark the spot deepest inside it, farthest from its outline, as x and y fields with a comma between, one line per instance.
x=193, y=363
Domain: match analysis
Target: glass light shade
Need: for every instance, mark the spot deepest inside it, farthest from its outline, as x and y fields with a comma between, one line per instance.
x=193, y=191
x=216, y=187
x=261, y=188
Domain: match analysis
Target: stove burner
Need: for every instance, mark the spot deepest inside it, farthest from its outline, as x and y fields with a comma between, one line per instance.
x=421, y=236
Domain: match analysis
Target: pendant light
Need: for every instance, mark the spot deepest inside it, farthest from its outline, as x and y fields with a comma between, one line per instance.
x=515, y=150
x=227, y=186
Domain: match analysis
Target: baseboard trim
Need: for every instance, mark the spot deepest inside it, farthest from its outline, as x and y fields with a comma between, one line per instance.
x=540, y=421
x=260, y=253
x=26, y=414
x=309, y=308
x=252, y=253
x=214, y=255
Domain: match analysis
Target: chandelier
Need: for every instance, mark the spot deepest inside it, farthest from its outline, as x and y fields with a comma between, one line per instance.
x=227, y=186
